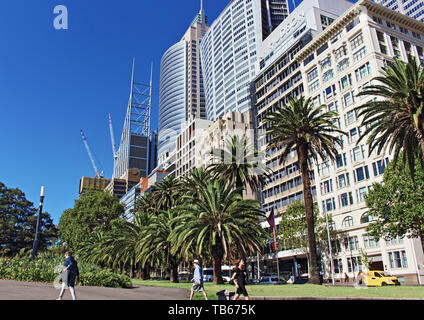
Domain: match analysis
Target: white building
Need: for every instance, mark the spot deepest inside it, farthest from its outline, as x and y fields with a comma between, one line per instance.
x=335, y=66
x=229, y=53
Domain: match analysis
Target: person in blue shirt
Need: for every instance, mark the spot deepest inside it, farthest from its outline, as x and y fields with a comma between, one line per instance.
x=69, y=275
x=197, y=280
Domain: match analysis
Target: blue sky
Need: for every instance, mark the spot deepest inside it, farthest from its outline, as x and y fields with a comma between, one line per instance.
x=55, y=82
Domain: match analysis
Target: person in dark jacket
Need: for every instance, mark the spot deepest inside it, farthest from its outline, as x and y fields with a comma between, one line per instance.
x=69, y=275
x=240, y=279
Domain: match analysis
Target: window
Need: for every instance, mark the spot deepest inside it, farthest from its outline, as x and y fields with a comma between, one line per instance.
x=398, y=259
x=346, y=81
x=346, y=199
x=325, y=64
x=362, y=192
x=351, y=243
x=352, y=264
x=380, y=166
x=313, y=74
x=350, y=118
x=358, y=55
x=328, y=75
x=347, y=99
x=342, y=65
x=363, y=71
x=338, y=266
x=361, y=173
x=370, y=242
x=340, y=52
x=343, y=180
x=347, y=222
x=341, y=161
x=314, y=86
x=327, y=186
x=329, y=205
x=357, y=41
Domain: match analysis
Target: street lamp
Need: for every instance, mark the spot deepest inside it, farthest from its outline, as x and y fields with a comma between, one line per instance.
x=329, y=247
x=40, y=210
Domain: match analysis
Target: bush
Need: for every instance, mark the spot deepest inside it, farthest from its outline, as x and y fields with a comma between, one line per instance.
x=45, y=269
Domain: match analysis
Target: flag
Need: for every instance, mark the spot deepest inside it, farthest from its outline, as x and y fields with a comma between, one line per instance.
x=271, y=222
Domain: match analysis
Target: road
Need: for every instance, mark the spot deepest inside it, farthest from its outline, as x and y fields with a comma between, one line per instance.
x=15, y=290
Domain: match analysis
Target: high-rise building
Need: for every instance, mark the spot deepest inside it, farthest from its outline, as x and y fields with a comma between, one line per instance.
x=229, y=52
x=181, y=94
x=411, y=8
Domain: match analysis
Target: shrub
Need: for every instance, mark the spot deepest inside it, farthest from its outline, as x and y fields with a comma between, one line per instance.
x=43, y=270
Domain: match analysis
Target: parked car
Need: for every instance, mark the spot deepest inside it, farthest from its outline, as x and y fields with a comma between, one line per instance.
x=271, y=280
x=377, y=279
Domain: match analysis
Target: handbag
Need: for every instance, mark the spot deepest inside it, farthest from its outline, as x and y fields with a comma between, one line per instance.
x=65, y=276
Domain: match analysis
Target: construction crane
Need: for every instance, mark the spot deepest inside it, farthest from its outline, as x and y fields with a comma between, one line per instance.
x=84, y=139
x=112, y=138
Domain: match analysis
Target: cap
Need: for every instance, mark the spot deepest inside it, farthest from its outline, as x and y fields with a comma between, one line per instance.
x=196, y=261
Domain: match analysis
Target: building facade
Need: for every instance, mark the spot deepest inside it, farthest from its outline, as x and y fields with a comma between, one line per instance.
x=411, y=8
x=181, y=94
x=92, y=183
x=335, y=66
x=229, y=53
x=280, y=78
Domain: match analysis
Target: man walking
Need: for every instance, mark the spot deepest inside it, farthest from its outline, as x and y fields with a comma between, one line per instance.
x=197, y=280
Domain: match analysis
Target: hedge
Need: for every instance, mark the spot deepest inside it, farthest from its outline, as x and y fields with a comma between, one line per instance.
x=47, y=267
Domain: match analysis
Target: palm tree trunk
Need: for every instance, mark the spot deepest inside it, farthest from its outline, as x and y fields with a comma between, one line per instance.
x=217, y=255
x=302, y=152
x=174, y=274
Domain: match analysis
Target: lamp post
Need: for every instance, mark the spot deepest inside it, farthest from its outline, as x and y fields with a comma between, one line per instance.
x=329, y=247
x=40, y=210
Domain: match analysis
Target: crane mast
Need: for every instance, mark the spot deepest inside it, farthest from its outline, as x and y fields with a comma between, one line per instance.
x=84, y=139
x=112, y=138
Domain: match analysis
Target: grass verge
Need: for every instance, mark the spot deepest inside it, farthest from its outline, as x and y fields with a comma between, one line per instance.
x=303, y=290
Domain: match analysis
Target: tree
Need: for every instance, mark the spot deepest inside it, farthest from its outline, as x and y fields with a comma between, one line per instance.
x=397, y=204
x=18, y=219
x=396, y=121
x=238, y=164
x=293, y=231
x=213, y=221
x=93, y=212
x=310, y=131
x=154, y=247
x=166, y=193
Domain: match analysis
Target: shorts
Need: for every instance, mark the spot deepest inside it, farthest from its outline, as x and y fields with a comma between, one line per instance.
x=242, y=290
x=197, y=287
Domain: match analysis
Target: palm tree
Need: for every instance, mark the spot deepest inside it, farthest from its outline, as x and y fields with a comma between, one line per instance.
x=397, y=120
x=166, y=193
x=192, y=181
x=215, y=220
x=308, y=130
x=154, y=247
x=236, y=164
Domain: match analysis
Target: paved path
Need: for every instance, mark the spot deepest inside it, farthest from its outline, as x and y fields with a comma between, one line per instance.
x=15, y=290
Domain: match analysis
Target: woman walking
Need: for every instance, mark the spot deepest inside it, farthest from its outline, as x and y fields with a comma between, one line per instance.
x=69, y=275
x=239, y=278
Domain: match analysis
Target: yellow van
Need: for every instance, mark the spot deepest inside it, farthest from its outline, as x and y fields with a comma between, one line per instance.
x=378, y=279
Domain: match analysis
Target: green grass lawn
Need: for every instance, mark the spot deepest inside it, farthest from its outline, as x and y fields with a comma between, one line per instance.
x=303, y=290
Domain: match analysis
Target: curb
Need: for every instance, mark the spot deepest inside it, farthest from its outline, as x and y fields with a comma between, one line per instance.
x=332, y=299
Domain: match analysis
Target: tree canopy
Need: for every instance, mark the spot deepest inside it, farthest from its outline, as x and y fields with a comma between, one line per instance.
x=398, y=203
x=94, y=211
x=18, y=220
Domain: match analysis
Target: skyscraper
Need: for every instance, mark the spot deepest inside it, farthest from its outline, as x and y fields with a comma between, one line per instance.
x=229, y=52
x=181, y=94
x=411, y=8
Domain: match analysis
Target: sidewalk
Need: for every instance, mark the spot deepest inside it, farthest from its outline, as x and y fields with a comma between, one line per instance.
x=15, y=290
